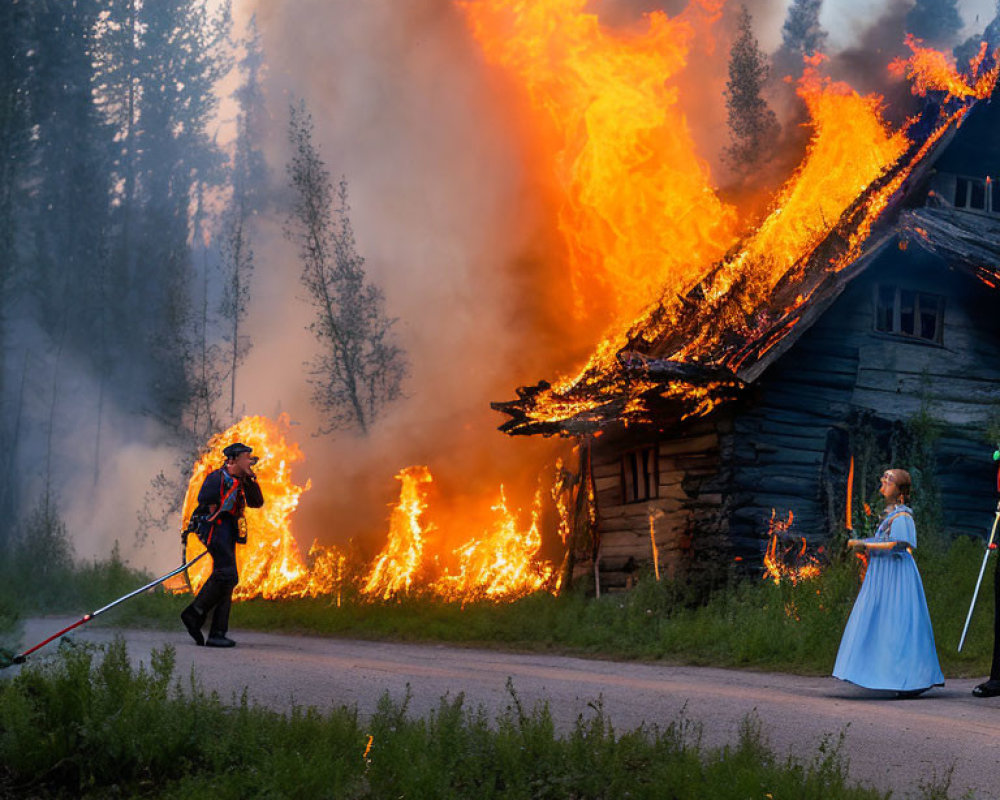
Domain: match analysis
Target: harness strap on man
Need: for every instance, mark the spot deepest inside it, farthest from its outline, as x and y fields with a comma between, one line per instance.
x=227, y=501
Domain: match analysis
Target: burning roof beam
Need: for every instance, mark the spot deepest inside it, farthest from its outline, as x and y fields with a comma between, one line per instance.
x=959, y=237
x=734, y=334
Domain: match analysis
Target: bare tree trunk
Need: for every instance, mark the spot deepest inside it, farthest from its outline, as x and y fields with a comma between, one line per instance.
x=48, y=433
x=330, y=315
x=237, y=289
x=100, y=421
x=206, y=375
x=7, y=490
x=128, y=196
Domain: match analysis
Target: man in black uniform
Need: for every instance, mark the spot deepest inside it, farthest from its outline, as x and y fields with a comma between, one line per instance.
x=991, y=688
x=222, y=499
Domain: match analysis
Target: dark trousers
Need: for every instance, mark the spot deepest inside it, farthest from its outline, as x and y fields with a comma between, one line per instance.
x=216, y=596
x=995, y=669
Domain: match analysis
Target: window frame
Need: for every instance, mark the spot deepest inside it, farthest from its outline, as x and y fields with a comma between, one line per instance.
x=897, y=309
x=991, y=200
x=644, y=460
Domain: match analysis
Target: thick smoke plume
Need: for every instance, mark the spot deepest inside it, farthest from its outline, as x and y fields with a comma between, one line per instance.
x=455, y=214
x=454, y=226
x=456, y=218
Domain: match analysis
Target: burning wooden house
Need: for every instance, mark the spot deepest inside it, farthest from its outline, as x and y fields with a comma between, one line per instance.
x=742, y=399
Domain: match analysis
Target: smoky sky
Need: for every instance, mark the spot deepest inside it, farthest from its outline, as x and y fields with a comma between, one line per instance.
x=450, y=220
x=456, y=218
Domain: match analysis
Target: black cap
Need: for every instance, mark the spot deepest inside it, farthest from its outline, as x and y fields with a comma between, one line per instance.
x=233, y=450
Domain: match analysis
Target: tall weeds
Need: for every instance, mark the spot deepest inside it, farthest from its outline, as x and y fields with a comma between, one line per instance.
x=88, y=724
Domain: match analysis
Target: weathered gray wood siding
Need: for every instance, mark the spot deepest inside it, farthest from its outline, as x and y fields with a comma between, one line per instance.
x=720, y=477
x=687, y=518
x=960, y=380
x=784, y=429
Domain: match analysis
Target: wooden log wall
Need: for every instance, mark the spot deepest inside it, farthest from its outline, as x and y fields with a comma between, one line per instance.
x=783, y=445
x=958, y=380
x=687, y=521
x=785, y=428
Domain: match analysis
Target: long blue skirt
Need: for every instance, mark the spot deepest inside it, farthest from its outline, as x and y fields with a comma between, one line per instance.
x=888, y=642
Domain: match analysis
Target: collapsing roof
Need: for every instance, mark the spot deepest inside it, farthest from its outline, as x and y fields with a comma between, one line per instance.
x=686, y=355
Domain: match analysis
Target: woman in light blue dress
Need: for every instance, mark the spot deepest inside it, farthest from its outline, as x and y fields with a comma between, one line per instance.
x=888, y=642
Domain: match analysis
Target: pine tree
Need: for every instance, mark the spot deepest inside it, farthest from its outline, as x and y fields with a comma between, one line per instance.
x=936, y=22
x=15, y=137
x=249, y=179
x=187, y=45
x=158, y=66
x=359, y=369
x=753, y=127
x=801, y=36
x=64, y=205
x=203, y=357
x=969, y=49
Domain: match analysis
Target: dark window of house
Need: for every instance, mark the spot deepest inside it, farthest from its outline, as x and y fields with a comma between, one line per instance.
x=909, y=313
x=930, y=317
x=885, y=305
x=640, y=475
x=961, y=193
x=977, y=195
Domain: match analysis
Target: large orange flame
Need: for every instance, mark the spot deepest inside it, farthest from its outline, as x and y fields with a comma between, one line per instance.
x=638, y=212
x=854, y=167
x=850, y=147
x=400, y=562
x=500, y=565
x=270, y=564
x=932, y=70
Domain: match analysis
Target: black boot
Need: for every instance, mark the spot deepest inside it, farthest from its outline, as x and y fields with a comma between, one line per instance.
x=219, y=640
x=193, y=621
x=990, y=688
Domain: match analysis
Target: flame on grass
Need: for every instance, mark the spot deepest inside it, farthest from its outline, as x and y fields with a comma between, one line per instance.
x=270, y=564
x=502, y=563
x=399, y=563
x=654, y=514
x=786, y=556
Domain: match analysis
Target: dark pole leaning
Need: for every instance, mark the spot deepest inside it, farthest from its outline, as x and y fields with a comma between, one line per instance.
x=991, y=545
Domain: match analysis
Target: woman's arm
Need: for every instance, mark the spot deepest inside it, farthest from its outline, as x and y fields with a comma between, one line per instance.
x=862, y=544
x=872, y=544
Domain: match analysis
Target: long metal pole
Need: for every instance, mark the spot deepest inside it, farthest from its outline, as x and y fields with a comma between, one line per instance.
x=20, y=657
x=990, y=547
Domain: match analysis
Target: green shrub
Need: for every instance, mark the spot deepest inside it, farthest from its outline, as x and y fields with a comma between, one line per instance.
x=748, y=623
x=87, y=724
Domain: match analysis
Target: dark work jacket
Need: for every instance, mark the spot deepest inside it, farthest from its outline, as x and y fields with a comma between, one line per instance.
x=226, y=532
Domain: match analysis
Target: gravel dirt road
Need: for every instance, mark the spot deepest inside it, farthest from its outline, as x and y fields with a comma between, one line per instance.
x=891, y=744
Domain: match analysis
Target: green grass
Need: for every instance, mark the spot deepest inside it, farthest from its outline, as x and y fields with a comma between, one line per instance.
x=751, y=624
x=88, y=724
x=79, y=725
